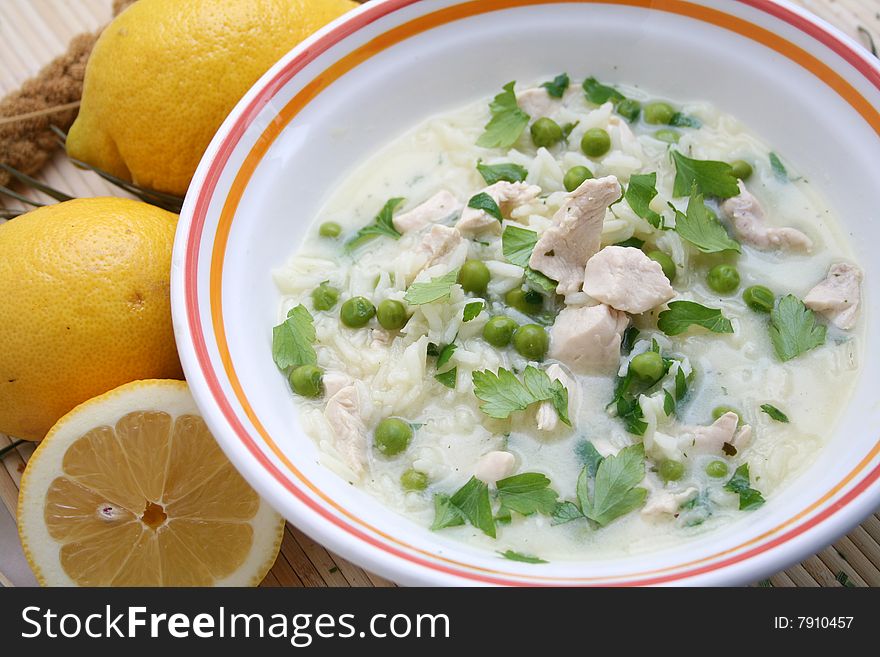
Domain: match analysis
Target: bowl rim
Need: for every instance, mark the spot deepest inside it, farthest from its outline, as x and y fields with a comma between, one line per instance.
x=787, y=547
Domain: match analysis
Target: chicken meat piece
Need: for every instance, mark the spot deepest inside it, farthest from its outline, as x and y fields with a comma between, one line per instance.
x=439, y=243
x=507, y=195
x=711, y=439
x=750, y=225
x=536, y=102
x=574, y=236
x=333, y=382
x=437, y=208
x=667, y=502
x=837, y=297
x=547, y=417
x=494, y=466
x=626, y=279
x=346, y=413
x=587, y=338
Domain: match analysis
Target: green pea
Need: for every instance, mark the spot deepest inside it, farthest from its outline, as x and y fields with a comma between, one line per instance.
x=716, y=469
x=741, y=169
x=324, y=297
x=546, y=132
x=665, y=263
x=724, y=279
x=414, y=480
x=357, y=312
x=330, y=229
x=671, y=470
x=306, y=380
x=629, y=109
x=575, y=177
x=528, y=302
x=391, y=315
x=718, y=411
x=668, y=135
x=659, y=113
x=392, y=436
x=759, y=298
x=499, y=330
x=648, y=366
x=531, y=341
x=474, y=276
x=595, y=142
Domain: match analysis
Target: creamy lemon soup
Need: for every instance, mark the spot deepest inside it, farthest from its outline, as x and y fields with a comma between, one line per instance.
x=571, y=320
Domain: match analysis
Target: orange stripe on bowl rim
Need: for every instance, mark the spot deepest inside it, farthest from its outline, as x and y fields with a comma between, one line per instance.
x=350, y=61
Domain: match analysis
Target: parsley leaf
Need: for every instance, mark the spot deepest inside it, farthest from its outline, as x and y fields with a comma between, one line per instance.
x=614, y=489
x=682, y=314
x=487, y=204
x=794, y=329
x=668, y=403
x=641, y=190
x=517, y=556
x=445, y=513
x=565, y=512
x=527, y=493
x=739, y=483
x=449, y=378
x=471, y=310
x=446, y=354
x=680, y=120
x=382, y=225
x=589, y=456
x=472, y=501
x=557, y=86
x=681, y=386
x=503, y=393
x=701, y=228
x=634, y=242
x=506, y=171
x=778, y=167
x=774, y=413
x=507, y=122
x=433, y=290
x=599, y=94
x=292, y=340
x=517, y=245
x=710, y=177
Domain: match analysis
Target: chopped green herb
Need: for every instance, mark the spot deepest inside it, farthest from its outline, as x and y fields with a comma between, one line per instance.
x=471, y=310
x=680, y=120
x=633, y=242
x=446, y=514
x=711, y=178
x=557, y=86
x=565, y=512
x=794, y=329
x=599, y=94
x=682, y=314
x=527, y=493
x=517, y=245
x=774, y=413
x=641, y=190
x=739, y=483
x=449, y=378
x=503, y=393
x=525, y=558
x=292, y=340
x=446, y=354
x=681, y=386
x=382, y=225
x=567, y=129
x=433, y=290
x=614, y=489
x=432, y=350
x=668, y=403
x=589, y=456
x=778, y=167
x=507, y=122
x=506, y=171
x=472, y=502
x=487, y=204
x=701, y=228
x=630, y=335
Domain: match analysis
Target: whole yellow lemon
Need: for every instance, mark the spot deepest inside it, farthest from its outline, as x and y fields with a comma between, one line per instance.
x=84, y=307
x=165, y=73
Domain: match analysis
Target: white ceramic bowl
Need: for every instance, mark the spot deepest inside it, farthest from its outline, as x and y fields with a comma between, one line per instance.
x=804, y=87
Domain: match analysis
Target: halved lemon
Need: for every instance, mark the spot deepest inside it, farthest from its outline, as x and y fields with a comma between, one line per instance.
x=130, y=489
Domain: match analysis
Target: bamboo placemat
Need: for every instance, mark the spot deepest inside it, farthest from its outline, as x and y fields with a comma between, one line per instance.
x=32, y=32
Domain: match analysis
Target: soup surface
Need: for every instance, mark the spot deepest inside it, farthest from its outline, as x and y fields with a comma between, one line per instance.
x=573, y=320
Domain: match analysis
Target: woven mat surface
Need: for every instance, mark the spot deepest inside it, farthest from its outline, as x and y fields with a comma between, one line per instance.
x=32, y=32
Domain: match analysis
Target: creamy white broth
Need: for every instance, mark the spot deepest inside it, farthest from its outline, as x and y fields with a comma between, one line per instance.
x=739, y=370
